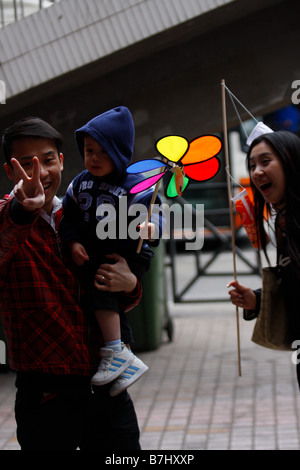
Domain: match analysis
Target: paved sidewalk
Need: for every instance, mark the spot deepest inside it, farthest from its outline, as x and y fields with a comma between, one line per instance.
x=8, y=439
x=192, y=397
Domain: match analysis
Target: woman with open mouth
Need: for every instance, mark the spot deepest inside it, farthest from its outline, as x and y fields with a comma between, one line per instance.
x=273, y=161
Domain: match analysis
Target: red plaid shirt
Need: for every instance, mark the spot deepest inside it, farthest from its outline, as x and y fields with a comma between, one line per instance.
x=45, y=328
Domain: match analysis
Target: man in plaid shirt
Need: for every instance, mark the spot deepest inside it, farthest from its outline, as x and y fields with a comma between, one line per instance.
x=52, y=343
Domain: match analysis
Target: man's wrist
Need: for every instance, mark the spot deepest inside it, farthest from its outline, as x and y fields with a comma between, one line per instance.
x=131, y=284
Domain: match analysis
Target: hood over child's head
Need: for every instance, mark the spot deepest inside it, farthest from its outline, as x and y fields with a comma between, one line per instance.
x=114, y=131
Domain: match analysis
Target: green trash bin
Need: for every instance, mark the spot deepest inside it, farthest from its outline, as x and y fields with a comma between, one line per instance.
x=150, y=317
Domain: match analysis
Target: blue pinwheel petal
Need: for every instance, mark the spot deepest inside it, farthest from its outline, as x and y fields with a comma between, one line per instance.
x=145, y=165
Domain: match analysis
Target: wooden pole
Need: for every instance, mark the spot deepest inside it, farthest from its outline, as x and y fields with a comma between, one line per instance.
x=231, y=213
x=148, y=214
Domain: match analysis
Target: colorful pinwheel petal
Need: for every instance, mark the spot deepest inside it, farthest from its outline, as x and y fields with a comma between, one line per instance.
x=196, y=160
x=173, y=190
x=173, y=147
x=145, y=165
x=145, y=184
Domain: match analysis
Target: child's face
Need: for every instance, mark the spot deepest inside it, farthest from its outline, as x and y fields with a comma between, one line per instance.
x=96, y=159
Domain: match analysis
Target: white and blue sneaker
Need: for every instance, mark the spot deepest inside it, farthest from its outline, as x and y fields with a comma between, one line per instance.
x=112, y=364
x=133, y=372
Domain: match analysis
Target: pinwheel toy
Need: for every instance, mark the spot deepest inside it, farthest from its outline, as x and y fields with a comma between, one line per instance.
x=195, y=160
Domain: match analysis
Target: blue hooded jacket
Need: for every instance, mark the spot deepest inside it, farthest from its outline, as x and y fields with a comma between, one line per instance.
x=114, y=131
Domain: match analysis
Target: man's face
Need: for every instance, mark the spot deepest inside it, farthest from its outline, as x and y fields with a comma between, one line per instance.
x=51, y=164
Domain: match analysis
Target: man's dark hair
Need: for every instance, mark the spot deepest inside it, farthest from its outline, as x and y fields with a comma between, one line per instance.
x=29, y=127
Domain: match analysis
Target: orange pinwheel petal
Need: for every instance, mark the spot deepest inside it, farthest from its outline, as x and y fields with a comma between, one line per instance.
x=201, y=149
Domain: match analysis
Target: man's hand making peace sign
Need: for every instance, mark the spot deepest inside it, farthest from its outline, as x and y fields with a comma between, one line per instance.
x=28, y=191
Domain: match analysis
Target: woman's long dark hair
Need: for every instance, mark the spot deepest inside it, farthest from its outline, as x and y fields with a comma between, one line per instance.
x=286, y=145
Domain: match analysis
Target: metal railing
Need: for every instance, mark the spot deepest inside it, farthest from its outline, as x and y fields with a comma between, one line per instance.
x=223, y=243
x=14, y=10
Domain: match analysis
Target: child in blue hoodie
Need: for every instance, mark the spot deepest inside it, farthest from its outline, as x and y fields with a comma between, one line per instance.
x=97, y=199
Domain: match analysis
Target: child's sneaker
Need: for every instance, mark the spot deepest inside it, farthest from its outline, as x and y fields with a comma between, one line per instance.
x=129, y=376
x=112, y=364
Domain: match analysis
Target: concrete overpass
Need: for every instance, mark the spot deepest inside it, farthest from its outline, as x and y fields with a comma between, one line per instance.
x=164, y=59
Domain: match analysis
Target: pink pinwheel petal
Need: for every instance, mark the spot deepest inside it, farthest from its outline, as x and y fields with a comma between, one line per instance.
x=147, y=183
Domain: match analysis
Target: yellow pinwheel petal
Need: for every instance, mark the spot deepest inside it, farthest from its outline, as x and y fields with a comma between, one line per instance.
x=173, y=147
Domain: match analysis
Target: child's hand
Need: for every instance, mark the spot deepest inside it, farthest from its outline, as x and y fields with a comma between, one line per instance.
x=242, y=296
x=29, y=191
x=78, y=253
x=147, y=231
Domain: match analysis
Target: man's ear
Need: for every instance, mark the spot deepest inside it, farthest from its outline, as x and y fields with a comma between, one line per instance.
x=9, y=171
